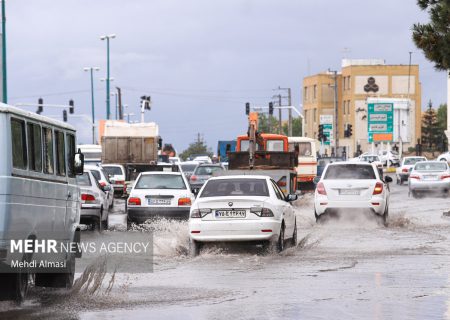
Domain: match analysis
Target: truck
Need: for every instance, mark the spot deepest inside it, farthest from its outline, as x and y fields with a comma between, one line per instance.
x=306, y=150
x=135, y=146
x=224, y=147
x=264, y=154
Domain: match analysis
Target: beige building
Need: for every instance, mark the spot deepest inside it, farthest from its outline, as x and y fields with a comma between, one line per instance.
x=356, y=82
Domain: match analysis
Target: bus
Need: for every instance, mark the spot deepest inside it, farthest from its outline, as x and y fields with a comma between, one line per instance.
x=39, y=200
x=307, y=157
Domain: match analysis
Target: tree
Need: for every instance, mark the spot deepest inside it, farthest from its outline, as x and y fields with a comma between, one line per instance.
x=197, y=147
x=296, y=127
x=430, y=128
x=263, y=124
x=434, y=37
x=442, y=127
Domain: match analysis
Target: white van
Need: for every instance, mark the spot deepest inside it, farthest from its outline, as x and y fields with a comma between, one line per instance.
x=307, y=157
x=92, y=153
x=39, y=197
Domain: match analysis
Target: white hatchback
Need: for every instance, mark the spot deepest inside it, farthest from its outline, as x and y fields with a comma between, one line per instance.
x=242, y=208
x=159, y=194
x=347, y=186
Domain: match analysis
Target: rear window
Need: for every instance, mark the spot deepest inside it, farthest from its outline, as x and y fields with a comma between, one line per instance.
x=160, y=181
x=412, y=161
x=96, y=175
x=207, y=170
x=83, y=180
x=350, y=171
x=188, y=167
x=235, y=187
x=113, y=171
x=431, y=166
x=370, y=158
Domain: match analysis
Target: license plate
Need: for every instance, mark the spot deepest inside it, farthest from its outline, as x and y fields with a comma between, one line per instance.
x=349, y=192
x=429, y=177
x=163, y=202
x=230, y=213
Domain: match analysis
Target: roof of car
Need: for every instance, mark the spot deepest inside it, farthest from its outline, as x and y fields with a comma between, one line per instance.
x=242, y=176
x=210, y=165
x=160, y=172
x=91, y=167
x=344, y=163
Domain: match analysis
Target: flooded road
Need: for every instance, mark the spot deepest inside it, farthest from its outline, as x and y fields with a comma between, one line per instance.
x=348, y=269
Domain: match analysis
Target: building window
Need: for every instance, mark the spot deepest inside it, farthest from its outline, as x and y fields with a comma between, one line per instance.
x=305, y=94
x=345, y=83
x=60, y=154
x=35, y=147
x=48, y=150
x=344, y=106
x=348, y=83
x=306, y=116
x=348, y=106
x=314, y=115
x=19, y=144
x=315, y=92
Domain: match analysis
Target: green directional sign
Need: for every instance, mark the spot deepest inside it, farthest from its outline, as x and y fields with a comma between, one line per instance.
x=328, y=132
x=380, y=122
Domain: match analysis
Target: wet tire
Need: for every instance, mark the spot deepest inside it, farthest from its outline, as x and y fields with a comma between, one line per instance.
x=14, y=286
x=194, y=248
x=318, y=219
x=279, y=244
x=385, y=216
x=105, y=223
x=415, y=195
x=58, y=280
x=294, y=235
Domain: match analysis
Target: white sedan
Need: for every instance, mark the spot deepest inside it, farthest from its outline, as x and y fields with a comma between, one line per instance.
x=402, y=172
x=242, y=208
x=346, y=186
x=159, y=194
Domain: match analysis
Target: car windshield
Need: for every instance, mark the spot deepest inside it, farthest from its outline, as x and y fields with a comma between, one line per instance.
x=431, y=166
x=349, y=171
x=235, y=187
x=83, y=180
x=160, y=181
x=370, y=158
x=188, y=167
x=412, y=161
x=207, y=170
x=113, y=171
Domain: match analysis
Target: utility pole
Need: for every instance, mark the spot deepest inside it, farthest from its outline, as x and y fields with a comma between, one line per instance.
x=108, y=79
x=336, y=114
x=91, y=70
x=280, y=128
x=4, y=74
x=119, y=97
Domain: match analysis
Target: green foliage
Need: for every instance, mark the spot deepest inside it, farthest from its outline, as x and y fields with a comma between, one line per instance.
x=263, y=125
x=296, y=127
x=430, y=129
x=434, y=37
x=197, y=147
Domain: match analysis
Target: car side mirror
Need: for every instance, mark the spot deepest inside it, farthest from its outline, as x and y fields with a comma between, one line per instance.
x=106, y=188
x=388, y=179
x=78, y=163
x=291, y=197
x=316, y=179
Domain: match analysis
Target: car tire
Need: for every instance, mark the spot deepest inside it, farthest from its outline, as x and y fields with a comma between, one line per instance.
x=279, y=244
x=194, y=248
x=105, y=223
x=414, y=194
x=99, y=223
x=317, y=217
x=294, y=235
x=58, y=280
x=14, y=286
x=112, y=204
x=385, y=216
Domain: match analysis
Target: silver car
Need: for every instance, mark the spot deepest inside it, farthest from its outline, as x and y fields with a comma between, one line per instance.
x=94, y=210
x=429, y=177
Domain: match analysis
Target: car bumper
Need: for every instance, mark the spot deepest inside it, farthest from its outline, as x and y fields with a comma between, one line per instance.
x=375, y=205
x=429, y=185
x=89, y=214
x=238, y=230
x=142, y=214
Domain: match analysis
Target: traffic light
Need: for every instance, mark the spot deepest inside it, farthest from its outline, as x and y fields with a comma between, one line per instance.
x=320, y=135
x=349, y=130
x=271, y=108
x=65, y=115
x=71, y=107
x=146, y=100
x=160, y=142
x=40, y=106
x=247, y=108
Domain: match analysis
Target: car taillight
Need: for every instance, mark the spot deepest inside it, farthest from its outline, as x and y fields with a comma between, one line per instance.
x=405, y=170
x=282, y=182
x=120, y=182
x=262, y=212
x=414, y=176
x=193, y=178
x=321, y=189
x=445, y=176
x=87, y=197
x=378, y=188
x=134, y=201
x=200, y=213
x=184, y=201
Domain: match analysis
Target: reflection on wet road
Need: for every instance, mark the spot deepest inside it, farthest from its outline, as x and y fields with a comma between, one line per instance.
x=352, y=268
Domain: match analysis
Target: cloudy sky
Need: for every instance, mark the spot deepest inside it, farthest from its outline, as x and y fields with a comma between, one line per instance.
x=200, y=60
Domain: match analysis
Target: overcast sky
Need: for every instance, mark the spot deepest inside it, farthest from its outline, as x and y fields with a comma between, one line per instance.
x=199, y=60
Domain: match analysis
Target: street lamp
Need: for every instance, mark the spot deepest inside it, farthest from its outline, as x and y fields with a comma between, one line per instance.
x=91, y=70
x=107, y=38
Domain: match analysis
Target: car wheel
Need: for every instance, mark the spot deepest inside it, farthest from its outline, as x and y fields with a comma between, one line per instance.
x=106, y=222
x=294, y=235
x=14, y=286
x=58, y=280
x=385, y=216
x=194, y=248
x=317, y=217
x=98, y=222
x=280, y=242
x=414, y=194
x=112, y=204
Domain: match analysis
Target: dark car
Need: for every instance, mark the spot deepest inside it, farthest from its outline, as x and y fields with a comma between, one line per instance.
x=202, y=173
